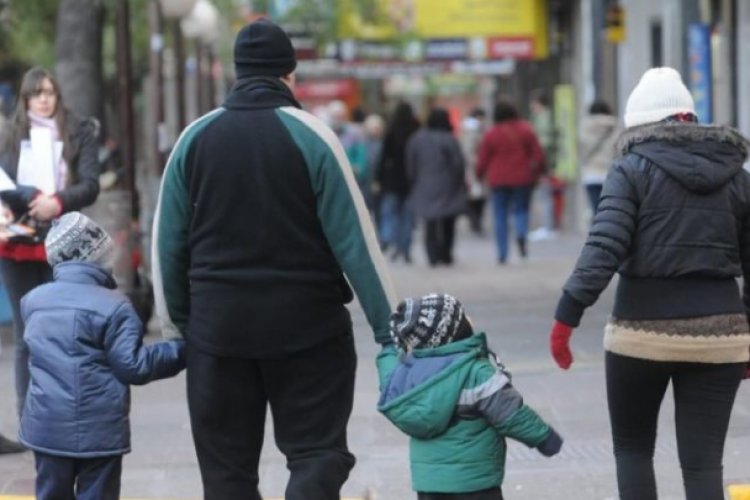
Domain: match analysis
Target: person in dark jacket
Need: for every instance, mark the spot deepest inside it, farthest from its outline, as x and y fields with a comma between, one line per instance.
x=511, y=161
x=435, y=170
x=86, y=347
x=674, y=222
x=396, y=216
x=41, y=121
x=442, y=386
x=259, y=229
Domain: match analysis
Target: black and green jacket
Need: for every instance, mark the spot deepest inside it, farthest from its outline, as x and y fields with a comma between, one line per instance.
x=258, y=226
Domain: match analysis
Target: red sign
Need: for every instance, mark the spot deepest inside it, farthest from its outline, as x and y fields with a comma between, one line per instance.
x=513, y=47
x=325, y=89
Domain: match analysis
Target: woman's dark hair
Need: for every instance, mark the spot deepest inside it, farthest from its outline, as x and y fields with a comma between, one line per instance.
x=439, y=120
x=600, y=108
x=20, y=123
x=504, y=111
x=540, y=96
x=403, y=123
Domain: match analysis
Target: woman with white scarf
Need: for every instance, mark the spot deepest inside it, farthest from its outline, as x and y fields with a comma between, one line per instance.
x=51, y=156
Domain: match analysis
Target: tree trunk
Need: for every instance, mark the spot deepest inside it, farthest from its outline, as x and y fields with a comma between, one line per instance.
x=78, y=55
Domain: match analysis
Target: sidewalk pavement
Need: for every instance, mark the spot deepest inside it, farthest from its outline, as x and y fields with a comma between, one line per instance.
x=514, y=305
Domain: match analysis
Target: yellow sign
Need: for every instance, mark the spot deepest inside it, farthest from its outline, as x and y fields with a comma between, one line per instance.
x=565, y=124
x=463, y=18
x=739, y=492
x=426, y=19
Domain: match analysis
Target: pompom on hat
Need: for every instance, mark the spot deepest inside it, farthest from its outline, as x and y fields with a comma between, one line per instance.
x=659, y=94
x=262, y=48
x=429, y=321
x=76, y=237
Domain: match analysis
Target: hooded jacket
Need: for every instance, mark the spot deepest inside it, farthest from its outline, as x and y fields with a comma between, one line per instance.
x=674, y=221
x=458, y=407
x=260, y=228
x=86, y=346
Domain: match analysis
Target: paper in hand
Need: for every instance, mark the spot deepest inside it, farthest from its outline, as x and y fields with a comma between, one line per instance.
x=37, y=159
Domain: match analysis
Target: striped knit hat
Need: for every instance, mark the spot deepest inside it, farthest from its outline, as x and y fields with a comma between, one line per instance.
x=76, y=237
x=429, y=321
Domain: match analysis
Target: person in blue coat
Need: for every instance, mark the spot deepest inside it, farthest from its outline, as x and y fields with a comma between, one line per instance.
x=86, y=347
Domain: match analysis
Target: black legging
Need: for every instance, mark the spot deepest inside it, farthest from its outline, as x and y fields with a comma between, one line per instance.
x=703, y=396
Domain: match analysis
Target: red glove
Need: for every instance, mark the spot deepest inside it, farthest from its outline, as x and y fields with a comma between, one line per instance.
x=747, y=373
x=559, y=338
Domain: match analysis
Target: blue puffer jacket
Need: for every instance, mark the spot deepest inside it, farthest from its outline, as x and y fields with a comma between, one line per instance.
x=86, y=346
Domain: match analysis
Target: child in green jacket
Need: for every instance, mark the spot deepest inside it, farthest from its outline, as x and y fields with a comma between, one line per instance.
x=441, y=385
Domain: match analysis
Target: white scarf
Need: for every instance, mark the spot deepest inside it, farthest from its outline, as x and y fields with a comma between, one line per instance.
x=60, y=167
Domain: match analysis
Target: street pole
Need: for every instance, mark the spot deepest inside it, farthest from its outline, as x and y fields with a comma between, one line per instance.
x=125, y=91
x=199, y=76
x=158, y=135
x=211, y=83
x=179, y=56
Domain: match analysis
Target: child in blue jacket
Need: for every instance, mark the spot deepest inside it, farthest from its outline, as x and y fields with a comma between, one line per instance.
x=86, y=347
x=442, y=386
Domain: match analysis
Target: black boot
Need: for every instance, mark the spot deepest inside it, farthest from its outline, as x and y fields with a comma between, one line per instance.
x=522, y=247
x=8, y=446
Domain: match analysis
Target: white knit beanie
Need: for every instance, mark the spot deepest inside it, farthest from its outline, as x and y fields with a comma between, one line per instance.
x=659, y=94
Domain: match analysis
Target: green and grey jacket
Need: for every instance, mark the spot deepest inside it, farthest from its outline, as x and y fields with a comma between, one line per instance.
x=258, y=227
x=458, y=406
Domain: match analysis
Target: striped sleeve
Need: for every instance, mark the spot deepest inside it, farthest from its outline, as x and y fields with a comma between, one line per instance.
x=170, y=255
x=344, y=217
x=502, y=405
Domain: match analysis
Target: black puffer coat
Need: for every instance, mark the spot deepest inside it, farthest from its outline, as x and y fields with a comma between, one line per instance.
x=674, y=221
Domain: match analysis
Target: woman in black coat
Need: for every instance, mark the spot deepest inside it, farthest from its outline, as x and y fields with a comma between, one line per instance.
x=674, y=221
x=73, y=183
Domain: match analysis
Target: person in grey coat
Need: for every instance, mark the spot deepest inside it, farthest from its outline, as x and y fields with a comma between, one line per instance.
x=435, y=168
x=86, y=347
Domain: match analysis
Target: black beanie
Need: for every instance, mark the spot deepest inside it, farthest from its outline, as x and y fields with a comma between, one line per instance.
x=429, y=321
x=263, y=49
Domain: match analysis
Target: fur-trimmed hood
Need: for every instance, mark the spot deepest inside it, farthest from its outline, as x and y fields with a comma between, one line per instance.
x=701, y=157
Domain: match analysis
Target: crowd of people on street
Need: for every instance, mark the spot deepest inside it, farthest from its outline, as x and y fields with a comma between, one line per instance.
x=298, y=217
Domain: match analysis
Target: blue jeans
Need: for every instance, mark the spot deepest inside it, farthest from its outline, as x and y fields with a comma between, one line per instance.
x=20, y=278
x=594, y=192
x=503, y=198
x=66, y=478
x=396, y=223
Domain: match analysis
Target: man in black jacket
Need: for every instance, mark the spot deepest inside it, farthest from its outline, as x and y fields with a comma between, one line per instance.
x=259, y=231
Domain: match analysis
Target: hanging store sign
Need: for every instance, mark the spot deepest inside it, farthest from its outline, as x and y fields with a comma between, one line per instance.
x=446, y=49
x=514, y=47
x=454, y=19
x=699, y=48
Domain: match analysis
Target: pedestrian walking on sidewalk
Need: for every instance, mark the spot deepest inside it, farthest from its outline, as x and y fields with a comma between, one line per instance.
x=396, y=214
x=674, y=221
x=85, y=348
x=68, y=181
x=259, y=229
x=435, y=168
x=442, y=386
x=511, y=161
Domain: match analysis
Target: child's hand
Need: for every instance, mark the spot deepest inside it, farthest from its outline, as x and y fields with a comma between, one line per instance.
x=551, y=444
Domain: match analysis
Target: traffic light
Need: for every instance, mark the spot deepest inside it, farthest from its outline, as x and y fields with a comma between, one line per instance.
x=614, y=23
